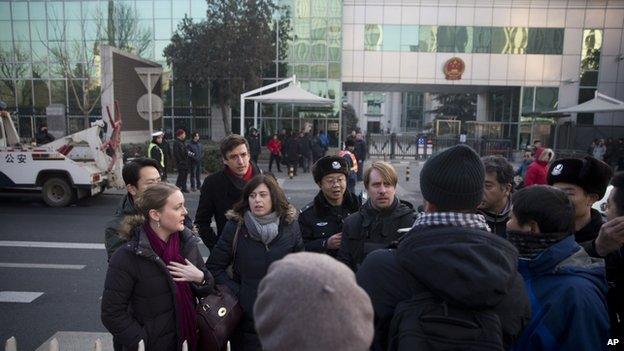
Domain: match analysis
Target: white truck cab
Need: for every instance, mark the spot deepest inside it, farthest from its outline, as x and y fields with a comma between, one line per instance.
x=69, y=168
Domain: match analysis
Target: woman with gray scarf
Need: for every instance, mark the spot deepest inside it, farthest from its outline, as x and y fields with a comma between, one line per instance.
x=261, y=228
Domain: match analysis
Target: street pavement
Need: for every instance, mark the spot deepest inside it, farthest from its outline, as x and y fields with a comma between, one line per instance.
x=53, y=262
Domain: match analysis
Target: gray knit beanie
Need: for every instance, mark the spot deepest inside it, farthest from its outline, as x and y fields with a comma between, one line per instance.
x=453, y=179
x=310, y=301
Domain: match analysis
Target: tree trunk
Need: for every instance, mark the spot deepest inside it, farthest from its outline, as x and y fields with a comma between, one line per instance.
x=225, y=108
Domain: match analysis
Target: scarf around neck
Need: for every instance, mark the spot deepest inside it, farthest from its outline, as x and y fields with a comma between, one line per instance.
x=530, y=245
x=184, y=302
x=452, y=219
x=263, y=228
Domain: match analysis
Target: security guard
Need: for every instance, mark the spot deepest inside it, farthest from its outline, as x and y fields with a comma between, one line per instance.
x=154, y=151
x=321, y=220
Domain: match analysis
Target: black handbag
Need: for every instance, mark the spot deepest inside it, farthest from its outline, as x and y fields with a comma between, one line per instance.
x=218, y=314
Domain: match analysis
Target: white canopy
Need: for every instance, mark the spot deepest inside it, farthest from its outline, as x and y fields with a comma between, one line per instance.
x=292, y=95
x=600, y=103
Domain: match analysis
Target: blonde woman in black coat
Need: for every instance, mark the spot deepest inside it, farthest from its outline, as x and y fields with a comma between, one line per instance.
x=268, y=230
x=154, y=280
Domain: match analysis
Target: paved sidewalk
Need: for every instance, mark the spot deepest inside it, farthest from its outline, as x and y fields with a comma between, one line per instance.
x=301, y=189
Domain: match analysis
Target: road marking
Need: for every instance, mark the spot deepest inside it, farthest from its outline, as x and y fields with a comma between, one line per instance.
x=41, y=265
x=19, y=296
x=52, y=245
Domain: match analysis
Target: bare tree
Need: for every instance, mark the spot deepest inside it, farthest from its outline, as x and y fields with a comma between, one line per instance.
x=12, y=66
x=79, y=60
x=121, y=28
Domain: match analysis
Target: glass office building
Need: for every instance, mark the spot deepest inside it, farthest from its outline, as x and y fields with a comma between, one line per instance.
x=32, y=76
x=384, y=58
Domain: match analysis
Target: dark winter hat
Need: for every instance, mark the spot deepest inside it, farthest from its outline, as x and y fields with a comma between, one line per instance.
x=180, y=132
x=327, y=165
x=310, y=301
x=588, y=173
x=453, y=179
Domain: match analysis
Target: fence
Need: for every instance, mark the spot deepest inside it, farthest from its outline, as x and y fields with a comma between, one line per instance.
x=421, y=146
x=11, y=345
x=28, y=125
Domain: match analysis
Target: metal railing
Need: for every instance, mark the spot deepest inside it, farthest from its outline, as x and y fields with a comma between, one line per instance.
x=11, y=345
x=411, y=146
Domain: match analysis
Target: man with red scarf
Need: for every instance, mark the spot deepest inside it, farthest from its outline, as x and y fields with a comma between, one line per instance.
x=222, y=189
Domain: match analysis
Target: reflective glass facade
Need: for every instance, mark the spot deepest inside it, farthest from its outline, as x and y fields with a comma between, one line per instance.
x=459, y=39
x=31, y=76
x=315, y=57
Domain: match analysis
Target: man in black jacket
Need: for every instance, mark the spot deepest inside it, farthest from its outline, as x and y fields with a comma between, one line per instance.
x=43, y=137
x=449, y=253
x=305, y=150
x=496, y=204
x=291, y=152
x=378, y=221
x=222, y=189
x=181, y=155
x=360, y=154
x=321, y=220
x=253, y=139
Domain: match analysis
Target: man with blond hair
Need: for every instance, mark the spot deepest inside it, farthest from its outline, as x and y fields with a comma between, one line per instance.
x=377, y=222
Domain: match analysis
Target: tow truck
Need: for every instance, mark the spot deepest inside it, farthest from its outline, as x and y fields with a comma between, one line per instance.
x=69, y=168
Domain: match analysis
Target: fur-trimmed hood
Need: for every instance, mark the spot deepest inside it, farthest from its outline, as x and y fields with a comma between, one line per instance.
x=291, y=215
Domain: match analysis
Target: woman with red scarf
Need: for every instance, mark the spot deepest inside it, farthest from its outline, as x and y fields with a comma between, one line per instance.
x=154, y=280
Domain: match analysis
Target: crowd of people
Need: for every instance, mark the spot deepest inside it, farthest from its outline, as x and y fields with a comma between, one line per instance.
x=483, y=264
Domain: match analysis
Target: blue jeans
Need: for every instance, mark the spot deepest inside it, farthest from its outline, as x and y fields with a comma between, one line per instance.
x=196, y=175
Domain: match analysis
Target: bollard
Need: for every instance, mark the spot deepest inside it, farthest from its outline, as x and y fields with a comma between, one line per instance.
x=11, y=344
x=98, y=345
x=141, y=346
x=407, y=174
x=290, y=172
x=54, y=345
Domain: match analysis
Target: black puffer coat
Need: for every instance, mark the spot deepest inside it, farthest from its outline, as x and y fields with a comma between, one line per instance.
x=138, y=302
x=251, y=262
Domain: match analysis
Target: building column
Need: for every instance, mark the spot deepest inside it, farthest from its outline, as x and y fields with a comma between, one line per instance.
x=483, y=106
x=395, y=110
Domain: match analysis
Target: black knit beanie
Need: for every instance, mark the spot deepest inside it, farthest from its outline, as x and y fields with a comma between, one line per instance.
x=453, y=179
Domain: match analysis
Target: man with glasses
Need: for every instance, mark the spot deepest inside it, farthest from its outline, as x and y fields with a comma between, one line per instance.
x=222, y=189
x=321, y=220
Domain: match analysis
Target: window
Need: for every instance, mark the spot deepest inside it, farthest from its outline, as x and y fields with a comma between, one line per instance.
x=539, y=99
x=427, y=38
x=590, y=65
x=460, y=39
x=391, y=38
x=547, y=41
x=546, y=99
x=373, y=103
x=372, y=37
x=5, y=32
x=409, y=38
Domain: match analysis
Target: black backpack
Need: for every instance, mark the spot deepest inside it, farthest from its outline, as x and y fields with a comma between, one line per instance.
x=427, y=322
